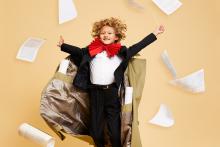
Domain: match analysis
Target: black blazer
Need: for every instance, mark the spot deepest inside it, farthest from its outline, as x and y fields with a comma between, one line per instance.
x=82, y=59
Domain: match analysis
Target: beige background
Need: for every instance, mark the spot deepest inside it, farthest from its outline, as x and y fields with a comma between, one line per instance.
x=191, y=38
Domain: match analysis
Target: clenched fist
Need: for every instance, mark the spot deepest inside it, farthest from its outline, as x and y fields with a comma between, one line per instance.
x=61, y=41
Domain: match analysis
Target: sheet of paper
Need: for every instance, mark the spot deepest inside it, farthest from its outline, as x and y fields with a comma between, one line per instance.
x=193, y=82
x=134, y=4
x=163, y=117
x=168, y=63
x=29, y=49
x=33, y=134
x=128, y=95
x=64, y=66
x=168, y=6
x=67, y=11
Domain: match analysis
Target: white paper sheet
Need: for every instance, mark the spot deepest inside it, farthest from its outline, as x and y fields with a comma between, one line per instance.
x=29, y=49
x=64, y=64
x=128, y=95
x=193, y=82
x=67, y=11
x=134, y=4
x=168, y=6
x=33, y=134
x=168, y=63
x=163, y=117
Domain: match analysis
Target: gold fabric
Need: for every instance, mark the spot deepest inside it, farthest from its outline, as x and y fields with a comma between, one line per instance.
x=66, y=108
x=136, y=75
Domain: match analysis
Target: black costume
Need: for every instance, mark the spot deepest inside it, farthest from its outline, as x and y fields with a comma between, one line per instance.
x=104, y=101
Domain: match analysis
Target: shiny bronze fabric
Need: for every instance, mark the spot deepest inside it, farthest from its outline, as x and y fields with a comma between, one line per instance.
x=66, y=108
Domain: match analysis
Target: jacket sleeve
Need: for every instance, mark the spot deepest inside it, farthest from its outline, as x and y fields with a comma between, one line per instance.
x=134, y=49
x=75, y=52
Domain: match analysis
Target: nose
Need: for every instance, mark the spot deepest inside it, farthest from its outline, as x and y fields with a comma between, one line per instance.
x=105, y=36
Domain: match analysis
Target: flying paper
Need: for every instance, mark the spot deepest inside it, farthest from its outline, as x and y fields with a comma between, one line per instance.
x=134, y=4
x=33, y=134
x=193, y=82
x=168, y=6
x=67, y=11
x=29, y=49
x=64, y=66
x=168, y=63
x=163, y=117
x=128, y=95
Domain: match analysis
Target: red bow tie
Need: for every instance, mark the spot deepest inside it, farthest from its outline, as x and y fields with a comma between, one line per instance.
x=97, y=46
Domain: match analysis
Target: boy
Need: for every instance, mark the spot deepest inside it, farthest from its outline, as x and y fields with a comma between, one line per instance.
x=101, y=66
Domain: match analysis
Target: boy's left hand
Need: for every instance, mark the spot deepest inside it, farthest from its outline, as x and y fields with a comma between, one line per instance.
x=159, y=30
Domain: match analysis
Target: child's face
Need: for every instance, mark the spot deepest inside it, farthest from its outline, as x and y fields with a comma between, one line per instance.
x=107, y=35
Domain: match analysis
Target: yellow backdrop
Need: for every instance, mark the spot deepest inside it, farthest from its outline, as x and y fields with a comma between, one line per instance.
x=191, y=38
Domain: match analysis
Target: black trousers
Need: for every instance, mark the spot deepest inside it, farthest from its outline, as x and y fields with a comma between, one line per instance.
x=105, y=108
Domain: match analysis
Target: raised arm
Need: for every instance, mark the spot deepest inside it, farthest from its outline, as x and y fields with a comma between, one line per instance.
x=134, y=49
x=73, y=50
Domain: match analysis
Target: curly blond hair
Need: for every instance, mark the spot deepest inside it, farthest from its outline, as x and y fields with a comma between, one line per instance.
x=117, y=24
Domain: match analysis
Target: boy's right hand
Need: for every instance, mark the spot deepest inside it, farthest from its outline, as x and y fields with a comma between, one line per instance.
x=159, y=30
x=61, y=41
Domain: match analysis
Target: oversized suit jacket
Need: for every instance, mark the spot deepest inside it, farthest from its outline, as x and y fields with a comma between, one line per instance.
x=65, y=108
x=82, y=59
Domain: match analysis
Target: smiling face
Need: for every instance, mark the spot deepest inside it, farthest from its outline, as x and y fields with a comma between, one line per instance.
x=107, y=35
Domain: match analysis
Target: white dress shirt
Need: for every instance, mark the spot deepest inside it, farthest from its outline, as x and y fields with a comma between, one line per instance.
x=102, y=68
